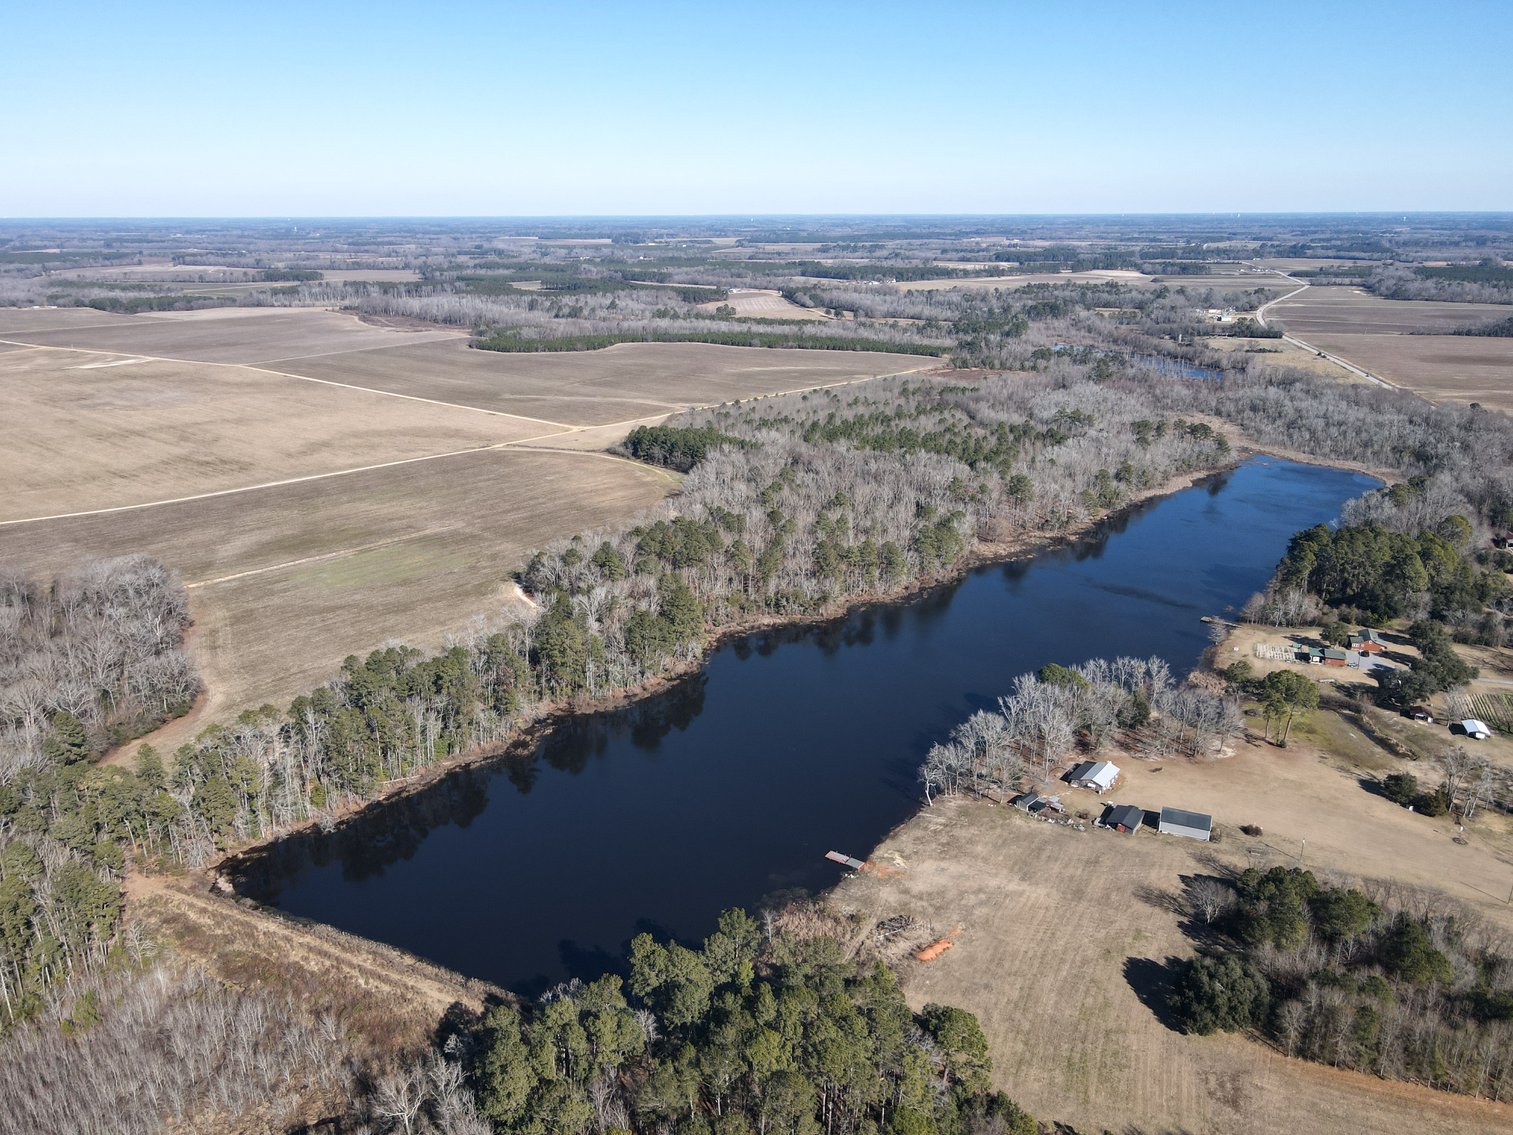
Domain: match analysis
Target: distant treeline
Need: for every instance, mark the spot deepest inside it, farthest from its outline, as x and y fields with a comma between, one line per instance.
x=1487, y=272
x=1498, y=329
x=135, y=305
x=514, y=341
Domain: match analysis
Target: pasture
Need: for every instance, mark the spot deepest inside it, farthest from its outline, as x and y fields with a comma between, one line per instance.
x=589, y=388
x=762, y=303
x=284, y=582
x=1064, y=941
x=137, y=430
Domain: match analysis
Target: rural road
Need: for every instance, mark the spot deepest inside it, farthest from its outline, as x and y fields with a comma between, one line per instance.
x=1296, y=342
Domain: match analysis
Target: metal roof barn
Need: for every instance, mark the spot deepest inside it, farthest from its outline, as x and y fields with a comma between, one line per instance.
x=1193, y=825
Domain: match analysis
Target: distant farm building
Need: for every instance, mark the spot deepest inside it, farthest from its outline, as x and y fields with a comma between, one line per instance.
x=1097, y=775
x=1123, y=817
x=1367, y=642
x=1035, y=804
x=1476, y=728
x=1193, y=825
x=1327, y=655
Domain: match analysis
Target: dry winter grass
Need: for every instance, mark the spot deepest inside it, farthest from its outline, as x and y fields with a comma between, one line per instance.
x=137, y=430
x=389, y=999
x=1062, y=953
x=223, y=335
x=285, y=582
x=762, y=303
x=629, y=381
x=1323, y=311
x=1376, y=334
x=1442, y=368
x=410, y=517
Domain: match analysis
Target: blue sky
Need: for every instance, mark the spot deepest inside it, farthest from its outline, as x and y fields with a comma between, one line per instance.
x=459, y=108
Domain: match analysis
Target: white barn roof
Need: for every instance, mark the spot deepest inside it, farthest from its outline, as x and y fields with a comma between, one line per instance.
x=1099, y=773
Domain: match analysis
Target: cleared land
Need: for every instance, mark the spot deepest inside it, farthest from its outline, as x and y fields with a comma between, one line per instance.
x=1377, y=334
x=1330, y=310
x=50, y=318
x=1063, y=952
x=285, y=582
x=1236, y=280
x=1279, y=352
x=226, y=335
x=762, y=303
x=376, y=484
x=1442, y=368
x=621, y=383
x=93, y=431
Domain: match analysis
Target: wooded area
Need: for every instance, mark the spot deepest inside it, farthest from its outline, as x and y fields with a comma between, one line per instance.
x=1399, y=985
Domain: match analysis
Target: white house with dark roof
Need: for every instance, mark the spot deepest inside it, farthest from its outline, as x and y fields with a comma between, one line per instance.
x=1097, y=775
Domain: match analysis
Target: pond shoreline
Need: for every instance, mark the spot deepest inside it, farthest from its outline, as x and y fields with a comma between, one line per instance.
x=221, y=873
x=618, y=793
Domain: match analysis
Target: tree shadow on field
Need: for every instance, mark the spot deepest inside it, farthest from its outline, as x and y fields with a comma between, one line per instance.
x=1158, y=898
x=1153, y=982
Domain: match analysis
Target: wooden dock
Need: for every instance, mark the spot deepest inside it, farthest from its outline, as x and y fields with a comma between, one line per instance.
x=844, y=860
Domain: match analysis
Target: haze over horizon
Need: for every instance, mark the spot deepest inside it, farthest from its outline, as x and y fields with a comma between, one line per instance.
x=164, y=109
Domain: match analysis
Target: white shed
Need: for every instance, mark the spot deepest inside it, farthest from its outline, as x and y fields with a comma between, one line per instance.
x=1193, y=825
x=1476, y=728
x=1097, y=775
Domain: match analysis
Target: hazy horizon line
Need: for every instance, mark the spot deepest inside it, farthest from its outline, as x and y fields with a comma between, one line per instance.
x=755, y=216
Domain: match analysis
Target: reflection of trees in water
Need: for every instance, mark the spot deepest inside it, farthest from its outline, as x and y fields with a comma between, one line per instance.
x=371, y=842
x=575, y=741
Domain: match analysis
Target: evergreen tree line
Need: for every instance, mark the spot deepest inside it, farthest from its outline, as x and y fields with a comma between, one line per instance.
x=673, y=447
x=750, y=1034
x=1405, y=990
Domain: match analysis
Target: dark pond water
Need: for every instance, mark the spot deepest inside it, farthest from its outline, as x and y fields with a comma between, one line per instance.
x=734, y=784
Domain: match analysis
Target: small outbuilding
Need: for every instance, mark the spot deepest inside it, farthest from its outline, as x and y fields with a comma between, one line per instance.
x=1097, y=775
x=1193, y=825
x=1333, y=657
x=1476, y=729
x=1126, y=818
